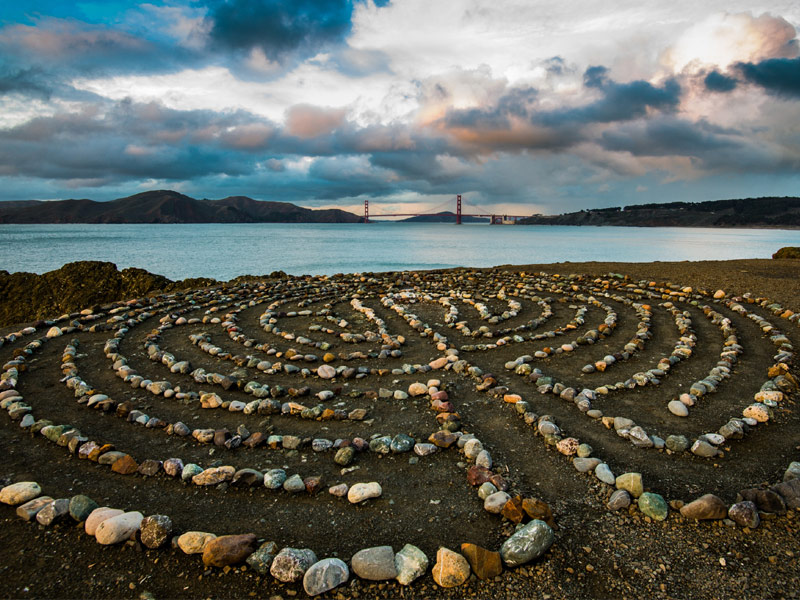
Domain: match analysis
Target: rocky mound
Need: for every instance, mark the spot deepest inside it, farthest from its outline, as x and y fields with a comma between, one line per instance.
x=76, y=286
x=787, y=252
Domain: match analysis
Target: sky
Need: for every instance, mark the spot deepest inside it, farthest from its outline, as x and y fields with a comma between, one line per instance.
x=521, y=106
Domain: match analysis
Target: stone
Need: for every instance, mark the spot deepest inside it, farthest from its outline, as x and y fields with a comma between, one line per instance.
x=155, y=530
x=417, y=389
x=792, y=472
x=364, y=491
x=568, y=446
x=247, y=478
x=745, y=514
x=495, y=503
x=125, y=465
x=484, y=460
x=291, y=564
x=487, y=489
x=294, y=484
x=149, y=467
x=443, y=439
x=194, y=542
x=539, y=509
x=261, y=560
x=19, y=493
x=604, y=474
x=528, y=543
x=513, y=510
x=173, y=467
x=585, y=465
x=766, y=500
x=119, y=528
x=472, y=448
x=189, y=471
x=31, y=508
x=618, y=500
x=99, y=515
x=677, y=443
x=410, y=564
x=326, y=371
x=630, y=482
x=344, y=456
x=757, y=411
x=325, y=575
x=703, y=449
x=106, y=458
x=653, y=506
x=678, y=408
x=339, y=490
x=790, y=492
x=374, y=564
x=228, y=550
x=53, y=512
x=484, y=563
x=274, y=479
x=401, y=443
x=451, y=568
x=425, y=449
x=313, y=484
x=707, y=506
x=214, y=475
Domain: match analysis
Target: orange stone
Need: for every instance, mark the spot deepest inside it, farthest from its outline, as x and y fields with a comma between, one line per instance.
x=484, y=563
x=512, y=398
x=94, y=455
x=538, y=509
x=513, y=510
x=125, y=465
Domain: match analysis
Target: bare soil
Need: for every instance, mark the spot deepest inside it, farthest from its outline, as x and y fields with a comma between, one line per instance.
x=597, y=553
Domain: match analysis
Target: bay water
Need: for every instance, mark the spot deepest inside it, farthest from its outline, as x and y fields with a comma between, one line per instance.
x=224, y=251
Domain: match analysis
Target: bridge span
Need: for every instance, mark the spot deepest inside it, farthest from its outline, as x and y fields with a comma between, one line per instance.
x=494, y=218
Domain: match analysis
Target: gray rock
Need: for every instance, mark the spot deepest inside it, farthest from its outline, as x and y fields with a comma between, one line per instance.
x=274, y=478
x=410, y=564
x=677, y=443
x=324, y=576
x=80, y=507
x=375, y=564
x=496, y=502
x=584, y=465
x=290, y=564
x=155, y=530
x=528, y=543
x=247, y=478
x=402, y=443
x=294, y=484
x=261, y=560
x=619, y=499
x=604, y=474
x=704, y=449
x=190, y=470
x=53, y=512
x=793, y=472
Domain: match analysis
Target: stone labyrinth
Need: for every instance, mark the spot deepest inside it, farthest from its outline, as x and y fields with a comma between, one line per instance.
x=400, y=422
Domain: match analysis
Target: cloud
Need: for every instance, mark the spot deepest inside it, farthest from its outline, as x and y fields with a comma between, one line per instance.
x=306, y=121
x=278, y=27
x=717, y=82
x=778, y=76
x=29, y=82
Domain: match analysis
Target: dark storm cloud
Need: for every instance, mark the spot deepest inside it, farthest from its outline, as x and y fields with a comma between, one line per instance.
x=717, y=82
x=778, y=76
x=30, y=82
x=618, y=101
x=279, y=27
x=669, y=136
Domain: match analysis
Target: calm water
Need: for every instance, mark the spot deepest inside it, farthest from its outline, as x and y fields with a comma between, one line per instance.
x=225, y=251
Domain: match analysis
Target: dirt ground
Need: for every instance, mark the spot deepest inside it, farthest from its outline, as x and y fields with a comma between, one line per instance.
x=426, y=501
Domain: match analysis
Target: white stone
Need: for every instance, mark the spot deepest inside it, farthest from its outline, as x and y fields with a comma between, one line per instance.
x=496, y=502
x=19, y=493
x=118, y=529
x=364, y=491
x=678, y=408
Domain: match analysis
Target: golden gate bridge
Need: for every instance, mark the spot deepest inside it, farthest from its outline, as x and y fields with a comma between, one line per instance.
x=438, y=210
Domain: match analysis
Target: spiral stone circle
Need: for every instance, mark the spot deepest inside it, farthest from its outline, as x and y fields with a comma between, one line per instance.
x=416, y=410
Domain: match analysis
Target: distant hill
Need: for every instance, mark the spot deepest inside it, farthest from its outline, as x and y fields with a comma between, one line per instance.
x=445, y=217
x=775, y=213
x=166, y=206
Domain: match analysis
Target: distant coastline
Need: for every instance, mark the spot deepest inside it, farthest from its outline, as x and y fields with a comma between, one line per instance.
x=748, y=213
